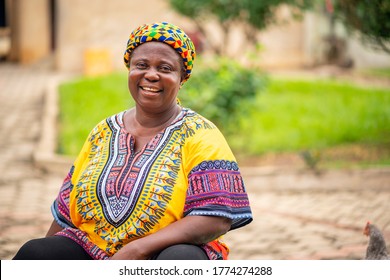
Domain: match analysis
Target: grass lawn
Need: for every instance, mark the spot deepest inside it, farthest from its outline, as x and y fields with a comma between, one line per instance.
x=86, y=101
x=300, y=114
x=290, y=116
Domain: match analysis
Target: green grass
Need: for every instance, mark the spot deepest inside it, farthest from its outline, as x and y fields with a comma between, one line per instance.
x=86, y=101
x=295, y=115
x=290, y=116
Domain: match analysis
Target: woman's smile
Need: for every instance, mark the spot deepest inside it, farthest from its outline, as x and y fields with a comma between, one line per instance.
x=151, y=90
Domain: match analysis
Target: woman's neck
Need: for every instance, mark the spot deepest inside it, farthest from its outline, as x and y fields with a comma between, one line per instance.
x=139, y=122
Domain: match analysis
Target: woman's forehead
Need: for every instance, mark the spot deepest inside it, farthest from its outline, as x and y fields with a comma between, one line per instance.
x=156, y=48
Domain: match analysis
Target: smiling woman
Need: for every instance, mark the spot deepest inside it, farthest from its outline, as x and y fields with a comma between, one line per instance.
x=155, y=76
x=156, y=181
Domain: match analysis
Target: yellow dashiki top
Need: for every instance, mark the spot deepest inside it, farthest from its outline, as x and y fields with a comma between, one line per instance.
x=113, y=195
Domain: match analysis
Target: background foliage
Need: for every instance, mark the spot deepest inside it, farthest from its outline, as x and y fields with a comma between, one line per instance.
x=251, y=15
x=371, y=18
x=221, y=91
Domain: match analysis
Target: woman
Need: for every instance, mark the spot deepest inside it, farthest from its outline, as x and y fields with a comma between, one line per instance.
x=157, y=181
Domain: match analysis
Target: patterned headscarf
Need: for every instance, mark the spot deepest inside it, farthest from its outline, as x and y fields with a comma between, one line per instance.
x=168, y=34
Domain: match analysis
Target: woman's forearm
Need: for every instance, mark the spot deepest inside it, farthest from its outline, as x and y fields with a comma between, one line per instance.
x=195, y=230
x=54, y=228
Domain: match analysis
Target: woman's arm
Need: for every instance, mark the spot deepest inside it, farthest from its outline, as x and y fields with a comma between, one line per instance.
x=54, y=228
x=195, y=230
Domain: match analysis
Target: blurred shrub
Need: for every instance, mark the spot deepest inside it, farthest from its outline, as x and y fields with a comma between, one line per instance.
x=222, y=91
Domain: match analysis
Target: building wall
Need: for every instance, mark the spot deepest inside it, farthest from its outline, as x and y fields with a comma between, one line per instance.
x=30, y=30
x=283, y=46
x=365, y=56
x=103, y=28
x=317, y=28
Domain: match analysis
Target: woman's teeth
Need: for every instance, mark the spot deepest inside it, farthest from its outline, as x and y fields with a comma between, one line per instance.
x=150, y=89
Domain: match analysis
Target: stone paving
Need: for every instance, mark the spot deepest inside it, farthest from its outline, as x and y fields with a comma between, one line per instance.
x=297, y=214
x=25, y=192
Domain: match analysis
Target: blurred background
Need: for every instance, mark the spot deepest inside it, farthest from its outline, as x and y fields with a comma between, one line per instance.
x=301, y=90
x=286, y=34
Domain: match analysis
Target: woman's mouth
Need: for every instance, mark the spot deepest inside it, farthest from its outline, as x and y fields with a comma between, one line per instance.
x=151, y=89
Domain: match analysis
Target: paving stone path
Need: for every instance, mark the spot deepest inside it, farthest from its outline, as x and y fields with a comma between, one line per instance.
x=297, y=214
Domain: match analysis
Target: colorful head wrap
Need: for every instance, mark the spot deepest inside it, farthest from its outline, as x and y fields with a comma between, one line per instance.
x=168, y=34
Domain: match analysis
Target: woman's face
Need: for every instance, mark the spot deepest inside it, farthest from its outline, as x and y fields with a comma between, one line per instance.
x=155, y=75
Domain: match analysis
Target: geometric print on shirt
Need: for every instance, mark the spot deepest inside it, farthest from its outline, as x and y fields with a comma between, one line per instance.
x=113, y=195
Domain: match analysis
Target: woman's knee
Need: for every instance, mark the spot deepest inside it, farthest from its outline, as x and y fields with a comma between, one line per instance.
x=182, y=252
x=51, y=248
x=29, y=251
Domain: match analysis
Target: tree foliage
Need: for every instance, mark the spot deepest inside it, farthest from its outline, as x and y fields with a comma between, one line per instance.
x=234, y=87
x=370, y=17
x=253, y=15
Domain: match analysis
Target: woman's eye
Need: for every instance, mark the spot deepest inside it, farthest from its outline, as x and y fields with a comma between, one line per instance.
x=141, y=65
x=165, y=68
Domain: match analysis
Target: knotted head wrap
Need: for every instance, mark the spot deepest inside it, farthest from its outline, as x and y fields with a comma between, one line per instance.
x=166, y=33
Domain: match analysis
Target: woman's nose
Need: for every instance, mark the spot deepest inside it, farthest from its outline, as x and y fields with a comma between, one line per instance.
x=152, y=74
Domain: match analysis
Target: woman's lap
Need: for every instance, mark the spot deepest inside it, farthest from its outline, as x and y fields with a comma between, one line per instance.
x=63, y=248
x=182, y=252
x=52, y=248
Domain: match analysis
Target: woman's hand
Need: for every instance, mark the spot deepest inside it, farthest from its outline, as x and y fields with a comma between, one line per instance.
x=130, y=252
x=195, y=230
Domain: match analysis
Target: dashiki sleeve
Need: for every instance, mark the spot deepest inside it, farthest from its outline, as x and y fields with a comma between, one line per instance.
x=215, y=184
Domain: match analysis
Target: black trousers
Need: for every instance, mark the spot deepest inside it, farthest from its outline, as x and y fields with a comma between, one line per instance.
x=63, y=248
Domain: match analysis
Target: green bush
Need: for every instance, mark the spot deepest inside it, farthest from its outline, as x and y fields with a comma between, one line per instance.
x=221, y=91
